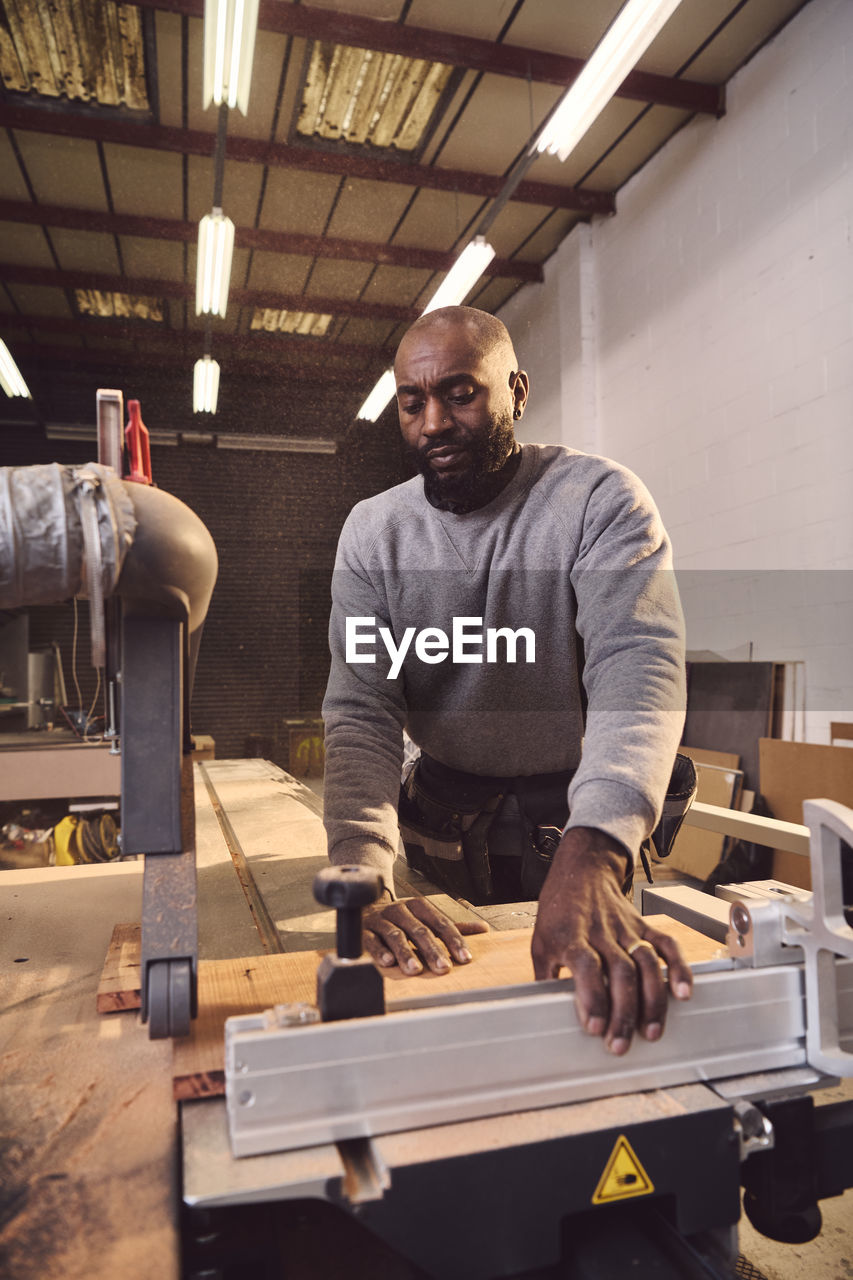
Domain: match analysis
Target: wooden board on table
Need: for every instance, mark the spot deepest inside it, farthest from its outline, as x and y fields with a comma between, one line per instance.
x=792, y=772
x=120, y=985
x=230, y=987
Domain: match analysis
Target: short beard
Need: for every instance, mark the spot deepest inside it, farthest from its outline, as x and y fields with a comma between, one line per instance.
x=475, y=486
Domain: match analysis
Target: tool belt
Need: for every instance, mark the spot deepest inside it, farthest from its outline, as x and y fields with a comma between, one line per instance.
x=463, y=830
x=486, y=839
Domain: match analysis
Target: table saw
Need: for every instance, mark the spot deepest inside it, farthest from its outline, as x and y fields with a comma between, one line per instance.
x=546, y=1177
x=482, y=1134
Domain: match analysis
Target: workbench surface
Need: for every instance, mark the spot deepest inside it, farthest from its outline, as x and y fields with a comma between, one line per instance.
x=89, y=1185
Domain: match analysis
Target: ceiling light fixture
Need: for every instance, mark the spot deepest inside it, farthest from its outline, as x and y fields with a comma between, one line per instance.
x=619, y=50
x=10, y=375
x=381, y=396
x=205, y=385
x=230, y=27
x=621, y=47
x=462, y=276
x=213, y=269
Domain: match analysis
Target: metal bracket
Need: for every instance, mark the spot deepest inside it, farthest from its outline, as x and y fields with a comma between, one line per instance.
x=754, y=1131
x=810, y=930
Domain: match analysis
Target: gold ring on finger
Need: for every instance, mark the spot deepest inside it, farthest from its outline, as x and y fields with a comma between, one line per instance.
x=642, y=942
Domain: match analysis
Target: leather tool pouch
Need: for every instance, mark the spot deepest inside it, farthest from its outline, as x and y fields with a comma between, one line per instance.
x=680, y=794
x=447, y=843
x=491, y=846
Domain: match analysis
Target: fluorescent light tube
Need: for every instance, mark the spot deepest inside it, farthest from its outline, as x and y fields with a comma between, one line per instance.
x=213, y=269
x=462, y=276
x=617, y=53
x=205, y=385
x=10, y=375
x=275, y=444
x=230, y=27
x=379, y=398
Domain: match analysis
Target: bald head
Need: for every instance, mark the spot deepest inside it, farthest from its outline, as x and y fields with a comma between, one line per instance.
x=484, y=335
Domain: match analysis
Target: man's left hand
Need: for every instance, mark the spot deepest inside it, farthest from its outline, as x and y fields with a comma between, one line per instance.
x=586, y=923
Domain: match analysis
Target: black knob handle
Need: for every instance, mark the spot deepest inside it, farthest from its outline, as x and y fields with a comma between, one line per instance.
x=348, y=889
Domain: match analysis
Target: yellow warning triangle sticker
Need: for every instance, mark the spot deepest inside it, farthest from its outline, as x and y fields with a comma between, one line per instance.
x=623, y=1175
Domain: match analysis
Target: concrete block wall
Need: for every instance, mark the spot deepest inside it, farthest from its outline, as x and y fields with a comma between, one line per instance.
x=720, y=361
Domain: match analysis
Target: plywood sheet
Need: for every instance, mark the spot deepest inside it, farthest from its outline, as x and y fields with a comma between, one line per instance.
x=792, y=772
x=230, y=987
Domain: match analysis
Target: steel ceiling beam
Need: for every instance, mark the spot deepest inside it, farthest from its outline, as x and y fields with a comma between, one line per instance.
x=460, y=51
x=154, y=332
x=150, y=286
x=32, y=354
x=190, y=341
x=45, y=215
x=69, y=124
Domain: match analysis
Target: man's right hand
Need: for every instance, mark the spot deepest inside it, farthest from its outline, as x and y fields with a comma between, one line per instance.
x=412, y=933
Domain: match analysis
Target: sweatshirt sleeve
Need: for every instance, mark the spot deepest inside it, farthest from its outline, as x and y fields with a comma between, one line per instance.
x=364, y=713
x=630, y=622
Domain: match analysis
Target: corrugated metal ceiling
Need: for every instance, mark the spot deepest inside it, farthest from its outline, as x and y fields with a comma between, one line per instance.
x=380, y=99
x=82, y=50
x=124, y=306
x=305, y=322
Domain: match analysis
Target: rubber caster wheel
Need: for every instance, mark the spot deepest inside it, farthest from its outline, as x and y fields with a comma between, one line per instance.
x=169, y=998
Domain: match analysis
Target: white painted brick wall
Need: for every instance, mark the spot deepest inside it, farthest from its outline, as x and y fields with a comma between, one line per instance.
x=723, y=292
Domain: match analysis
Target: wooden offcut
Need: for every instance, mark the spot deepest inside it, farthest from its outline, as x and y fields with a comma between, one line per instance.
x=231, y=987
x=120, y=985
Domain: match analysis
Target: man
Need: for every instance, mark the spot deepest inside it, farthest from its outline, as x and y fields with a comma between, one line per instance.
x=562, y=557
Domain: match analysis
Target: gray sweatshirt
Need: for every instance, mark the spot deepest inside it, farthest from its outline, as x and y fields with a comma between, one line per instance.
x=429, y=610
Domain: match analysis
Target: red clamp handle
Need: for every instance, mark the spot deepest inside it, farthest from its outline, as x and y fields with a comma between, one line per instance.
x=138, y=446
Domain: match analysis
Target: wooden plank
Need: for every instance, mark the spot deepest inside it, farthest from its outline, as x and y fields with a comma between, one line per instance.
x=226, y=925
x=704, y=755
x=791, y=836
x=45, y=772
x=230, y=987
x=120, y=986
x=792, y=772
x=278, y=836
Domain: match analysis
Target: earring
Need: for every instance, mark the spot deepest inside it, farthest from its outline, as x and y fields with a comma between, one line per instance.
x=517, y=413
